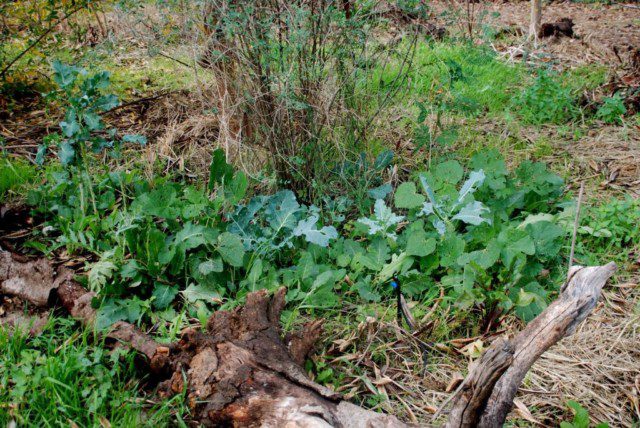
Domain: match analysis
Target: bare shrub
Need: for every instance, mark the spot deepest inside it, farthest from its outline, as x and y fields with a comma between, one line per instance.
x=301, y=79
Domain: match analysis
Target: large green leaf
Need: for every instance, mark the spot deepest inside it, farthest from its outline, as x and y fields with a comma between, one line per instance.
x=472, y=213
x=219, y=170
x=163, y=295
x=231, y=249
x=449, y=172
x=312, y=234
x=515, y=242
x=407, y=197
x=451, y=247
x=281, y=211
x=194, y=292
x=419, y=245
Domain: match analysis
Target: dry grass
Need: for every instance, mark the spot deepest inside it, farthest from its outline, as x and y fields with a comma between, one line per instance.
x=599, y=366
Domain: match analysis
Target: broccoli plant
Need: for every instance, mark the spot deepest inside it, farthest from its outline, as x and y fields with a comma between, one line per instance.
x=83, y=128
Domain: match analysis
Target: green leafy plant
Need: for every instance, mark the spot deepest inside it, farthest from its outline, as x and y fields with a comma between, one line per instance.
x=83, y=128
x=64, y=374
x=546, y=101
x=485, y=238
x=486, y=241
x=580, y=417
x=612, y=109
x=610, y=229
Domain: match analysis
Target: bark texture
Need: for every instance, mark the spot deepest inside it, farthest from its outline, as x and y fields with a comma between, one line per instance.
x=510, y=362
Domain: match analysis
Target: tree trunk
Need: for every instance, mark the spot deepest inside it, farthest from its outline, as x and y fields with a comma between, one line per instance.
x=536, y=19
x=240, y=371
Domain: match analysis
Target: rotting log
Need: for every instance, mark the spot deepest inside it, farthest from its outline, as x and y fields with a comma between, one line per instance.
x=239, y=370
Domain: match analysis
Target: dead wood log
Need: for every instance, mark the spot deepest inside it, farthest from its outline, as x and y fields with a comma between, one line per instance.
x=488, y=392
x=239, y=371
x=31, y=281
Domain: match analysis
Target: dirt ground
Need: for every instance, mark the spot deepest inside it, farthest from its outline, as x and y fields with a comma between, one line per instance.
x=604, y=33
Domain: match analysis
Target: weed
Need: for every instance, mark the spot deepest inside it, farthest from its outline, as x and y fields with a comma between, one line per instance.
x=610, y=230
x=580, y=417
x=64, y=376
x=83, y=128
x=14, y=174
x=546, y=101
x=293, y=83
x=612, y=109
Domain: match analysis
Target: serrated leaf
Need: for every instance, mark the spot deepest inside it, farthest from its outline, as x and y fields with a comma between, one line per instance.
x=475, y=180
x=64, y=75
x=108, y=313
x=397, y=264
x=382, y=221
x=407, y=197
x=106, y=102
x=439, y=225
x=281, y=211
x=93, y=121
x=312, y=234
x=99, y=273
x=426, y=210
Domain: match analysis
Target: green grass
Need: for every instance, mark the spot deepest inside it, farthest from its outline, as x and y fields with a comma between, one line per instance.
x=15, y=174
x=473, y=74
x=65, y=375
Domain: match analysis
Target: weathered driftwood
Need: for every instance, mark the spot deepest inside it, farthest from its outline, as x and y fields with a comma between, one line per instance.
x=240, y=371
x=484, y=404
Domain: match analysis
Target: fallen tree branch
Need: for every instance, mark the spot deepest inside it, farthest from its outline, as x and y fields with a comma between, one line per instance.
x=560, y=319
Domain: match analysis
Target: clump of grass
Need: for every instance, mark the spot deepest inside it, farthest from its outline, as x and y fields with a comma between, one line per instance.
x=474, y=74
x=14, y=175
x=63, y=376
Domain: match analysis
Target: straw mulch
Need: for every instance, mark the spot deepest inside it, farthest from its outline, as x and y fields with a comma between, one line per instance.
x=599, y=366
